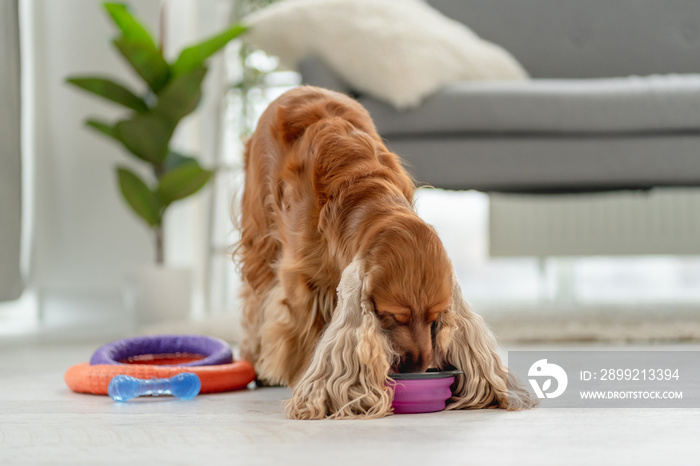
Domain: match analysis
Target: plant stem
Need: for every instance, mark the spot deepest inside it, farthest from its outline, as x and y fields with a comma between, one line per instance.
x=158, y=230
x=163, y=32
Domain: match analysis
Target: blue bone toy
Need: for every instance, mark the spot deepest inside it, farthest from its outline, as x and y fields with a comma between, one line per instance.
x=124, y=387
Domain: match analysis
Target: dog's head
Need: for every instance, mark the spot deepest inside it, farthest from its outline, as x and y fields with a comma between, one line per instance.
x=400, y=309
x=409, y=283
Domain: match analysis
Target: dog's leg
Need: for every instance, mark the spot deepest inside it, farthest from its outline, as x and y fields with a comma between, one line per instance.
x=255, y=293
x=291, y=326
x=251, y=342
x=258, y=249
x=250, y=322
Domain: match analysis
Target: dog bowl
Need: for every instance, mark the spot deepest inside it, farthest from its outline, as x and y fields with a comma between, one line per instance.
x=422, y=392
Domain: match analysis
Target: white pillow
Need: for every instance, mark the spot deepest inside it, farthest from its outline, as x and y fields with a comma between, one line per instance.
x=398, y=51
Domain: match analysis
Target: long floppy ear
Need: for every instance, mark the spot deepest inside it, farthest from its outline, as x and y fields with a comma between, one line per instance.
x=347, y=376
x=468, y=345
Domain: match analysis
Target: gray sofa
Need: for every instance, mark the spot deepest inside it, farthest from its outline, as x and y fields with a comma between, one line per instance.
x=614, y=102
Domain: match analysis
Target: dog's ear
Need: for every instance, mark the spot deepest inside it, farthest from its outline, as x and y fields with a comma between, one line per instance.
x=294, y=121
x=299, y=111
x=347, y=377
x=468, y=345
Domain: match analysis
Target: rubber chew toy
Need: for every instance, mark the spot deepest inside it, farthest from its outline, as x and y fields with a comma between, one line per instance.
x=124, y=387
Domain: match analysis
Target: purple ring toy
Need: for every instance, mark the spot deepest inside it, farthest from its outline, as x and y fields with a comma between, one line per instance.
x=214, y=350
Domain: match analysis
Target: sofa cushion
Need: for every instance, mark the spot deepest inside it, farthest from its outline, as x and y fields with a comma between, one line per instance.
x=659, y=104
x=396, y=51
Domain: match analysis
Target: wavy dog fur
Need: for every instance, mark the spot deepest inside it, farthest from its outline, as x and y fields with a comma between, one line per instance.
x=342, y=281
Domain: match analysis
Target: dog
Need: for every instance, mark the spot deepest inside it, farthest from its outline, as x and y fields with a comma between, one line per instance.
x=343, y=283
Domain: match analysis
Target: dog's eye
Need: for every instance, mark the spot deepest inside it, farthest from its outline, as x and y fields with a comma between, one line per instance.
x=391, y=320
x=386, y=319
x=392, y=312
x=435, y=327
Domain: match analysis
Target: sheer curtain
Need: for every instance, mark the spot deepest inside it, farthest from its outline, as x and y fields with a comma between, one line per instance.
x=10, y=165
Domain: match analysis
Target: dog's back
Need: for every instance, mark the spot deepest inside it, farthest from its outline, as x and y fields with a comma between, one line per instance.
x=309, y=139
x=314, y=155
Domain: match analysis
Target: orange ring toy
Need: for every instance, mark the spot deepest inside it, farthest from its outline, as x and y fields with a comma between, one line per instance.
x=86, y=378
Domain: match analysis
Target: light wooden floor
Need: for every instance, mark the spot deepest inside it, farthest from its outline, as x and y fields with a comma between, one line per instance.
x=42, y=422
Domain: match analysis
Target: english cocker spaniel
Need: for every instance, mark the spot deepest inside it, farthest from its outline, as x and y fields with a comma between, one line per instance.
x=343, y=282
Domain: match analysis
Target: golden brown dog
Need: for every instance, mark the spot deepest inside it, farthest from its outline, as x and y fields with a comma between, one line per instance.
x=343, y=282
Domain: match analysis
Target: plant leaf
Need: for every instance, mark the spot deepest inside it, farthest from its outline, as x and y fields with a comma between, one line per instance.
x=102, y=127
x=130, y=27
x=148, y=62
x=181, y=96
x=176, y=160
x=110, y=90
x=194, y=56
x=139, y=197
x=182, y=182
x=147, y=136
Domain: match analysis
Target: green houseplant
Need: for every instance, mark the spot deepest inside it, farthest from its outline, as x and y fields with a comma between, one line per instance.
x=171, y=91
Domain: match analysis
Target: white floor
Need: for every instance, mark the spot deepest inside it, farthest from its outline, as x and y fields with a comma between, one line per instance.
x=42, y=422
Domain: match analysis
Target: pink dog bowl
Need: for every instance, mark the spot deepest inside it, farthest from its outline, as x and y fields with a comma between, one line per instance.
x=422, y=392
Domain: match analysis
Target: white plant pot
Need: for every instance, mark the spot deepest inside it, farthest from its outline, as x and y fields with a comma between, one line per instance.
x=154, y=293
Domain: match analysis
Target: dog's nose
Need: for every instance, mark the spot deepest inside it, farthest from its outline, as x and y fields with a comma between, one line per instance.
x=415, y=362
